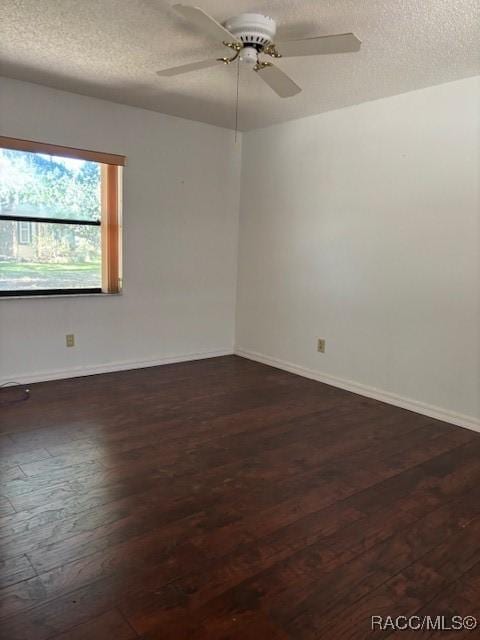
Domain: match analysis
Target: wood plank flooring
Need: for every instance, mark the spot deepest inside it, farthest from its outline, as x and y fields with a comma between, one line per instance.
x=224, y=499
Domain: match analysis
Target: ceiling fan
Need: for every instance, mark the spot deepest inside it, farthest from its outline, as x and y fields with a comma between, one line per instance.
x=251, y=34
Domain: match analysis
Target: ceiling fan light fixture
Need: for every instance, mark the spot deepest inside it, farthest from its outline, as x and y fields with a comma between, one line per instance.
x=249, y=55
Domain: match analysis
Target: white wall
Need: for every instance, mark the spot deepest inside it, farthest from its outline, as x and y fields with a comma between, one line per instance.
x=181, y=196
x=362, y=226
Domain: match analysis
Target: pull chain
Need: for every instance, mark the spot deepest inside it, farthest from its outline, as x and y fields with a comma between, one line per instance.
x=236, y=101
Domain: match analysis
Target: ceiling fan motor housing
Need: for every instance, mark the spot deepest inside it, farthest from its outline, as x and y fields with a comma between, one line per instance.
x=253, y=29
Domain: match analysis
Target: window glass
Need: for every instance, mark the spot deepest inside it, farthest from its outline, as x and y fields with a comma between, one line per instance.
x=60, y=219
x=39, y=185
x=58, y=256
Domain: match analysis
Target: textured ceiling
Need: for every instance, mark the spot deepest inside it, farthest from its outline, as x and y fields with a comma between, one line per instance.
x=112, y=48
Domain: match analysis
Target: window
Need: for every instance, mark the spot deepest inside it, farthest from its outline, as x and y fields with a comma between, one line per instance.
x=25, y=233
x=59, y=219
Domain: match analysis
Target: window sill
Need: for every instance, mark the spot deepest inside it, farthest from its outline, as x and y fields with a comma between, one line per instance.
x=63, y=296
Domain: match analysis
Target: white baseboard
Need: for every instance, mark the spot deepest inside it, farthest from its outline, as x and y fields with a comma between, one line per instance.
x=109, y=367
x=469, y=422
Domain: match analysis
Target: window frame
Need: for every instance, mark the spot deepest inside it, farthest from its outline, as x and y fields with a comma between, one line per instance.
x=110, y=223
x=22, y=229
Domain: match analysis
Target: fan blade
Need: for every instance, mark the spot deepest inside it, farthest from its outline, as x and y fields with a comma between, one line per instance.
x=203, y=21
x=277, y=80
x=186, y=68
x=342, y=43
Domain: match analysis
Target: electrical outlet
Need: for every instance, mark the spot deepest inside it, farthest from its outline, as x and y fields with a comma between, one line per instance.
x=70, y=340
x=321, y=345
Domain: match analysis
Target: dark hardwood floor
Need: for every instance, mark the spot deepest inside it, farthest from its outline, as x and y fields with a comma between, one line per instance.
x=224, y=499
